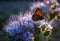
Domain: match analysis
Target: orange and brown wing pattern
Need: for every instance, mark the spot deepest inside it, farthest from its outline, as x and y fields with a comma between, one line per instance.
x=38, y=15
x=39, y=12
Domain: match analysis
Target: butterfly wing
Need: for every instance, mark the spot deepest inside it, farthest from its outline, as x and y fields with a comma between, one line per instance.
x=38, y=15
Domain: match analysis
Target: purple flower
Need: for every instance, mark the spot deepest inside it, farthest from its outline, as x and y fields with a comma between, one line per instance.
x=20, y=28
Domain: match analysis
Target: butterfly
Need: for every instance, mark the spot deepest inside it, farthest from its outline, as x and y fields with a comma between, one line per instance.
x=38, y=15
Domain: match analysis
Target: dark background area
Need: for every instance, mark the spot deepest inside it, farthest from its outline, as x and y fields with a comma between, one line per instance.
x=8, y=8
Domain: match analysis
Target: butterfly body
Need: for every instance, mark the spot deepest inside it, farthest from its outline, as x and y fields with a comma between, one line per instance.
x=38, y=15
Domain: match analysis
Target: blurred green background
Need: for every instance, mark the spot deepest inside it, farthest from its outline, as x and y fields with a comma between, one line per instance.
x=8, y=8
